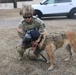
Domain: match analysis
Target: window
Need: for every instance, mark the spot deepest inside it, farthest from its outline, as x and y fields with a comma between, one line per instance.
x=62, y=1
x=50, y=1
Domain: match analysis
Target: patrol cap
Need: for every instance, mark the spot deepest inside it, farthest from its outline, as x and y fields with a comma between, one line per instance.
x=26, y=11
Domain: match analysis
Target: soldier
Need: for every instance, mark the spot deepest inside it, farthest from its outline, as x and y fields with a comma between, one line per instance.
x=28, y=24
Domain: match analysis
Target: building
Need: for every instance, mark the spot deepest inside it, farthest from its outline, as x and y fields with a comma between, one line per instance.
x=13, y=1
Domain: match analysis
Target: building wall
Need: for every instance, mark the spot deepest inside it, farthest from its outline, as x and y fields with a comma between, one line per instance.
x=10, y=1
x=6, y=1
x=18, y=4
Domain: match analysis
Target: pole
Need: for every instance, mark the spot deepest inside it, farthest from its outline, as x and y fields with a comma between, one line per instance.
x=15, y=3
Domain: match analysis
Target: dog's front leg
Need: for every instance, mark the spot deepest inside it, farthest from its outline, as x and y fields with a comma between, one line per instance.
x=51, y=56
x=68, y=48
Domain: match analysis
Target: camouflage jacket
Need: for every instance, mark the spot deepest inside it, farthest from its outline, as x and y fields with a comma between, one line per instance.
x=35, y=23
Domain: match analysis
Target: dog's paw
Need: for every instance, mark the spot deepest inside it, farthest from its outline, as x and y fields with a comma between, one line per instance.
x=51, y=67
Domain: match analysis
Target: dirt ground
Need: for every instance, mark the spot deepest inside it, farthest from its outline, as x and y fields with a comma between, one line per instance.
x=9, y=63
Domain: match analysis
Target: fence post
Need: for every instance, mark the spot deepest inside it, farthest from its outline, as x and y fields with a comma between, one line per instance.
x=15, y=3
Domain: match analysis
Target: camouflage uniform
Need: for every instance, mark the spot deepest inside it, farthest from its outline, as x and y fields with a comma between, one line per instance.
x=24, y=26
x=35, y=23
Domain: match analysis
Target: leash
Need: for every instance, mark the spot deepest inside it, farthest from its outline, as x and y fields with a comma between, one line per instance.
x=45, y=60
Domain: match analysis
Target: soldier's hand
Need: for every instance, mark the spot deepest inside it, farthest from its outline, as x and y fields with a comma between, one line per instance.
x=19, y=30
x=34, y=43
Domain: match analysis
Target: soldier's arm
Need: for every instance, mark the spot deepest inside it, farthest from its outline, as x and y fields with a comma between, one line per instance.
x=42, y=28
x=20, y=30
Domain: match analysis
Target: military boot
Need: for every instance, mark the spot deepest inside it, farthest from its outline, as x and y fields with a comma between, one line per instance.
x=21, y=51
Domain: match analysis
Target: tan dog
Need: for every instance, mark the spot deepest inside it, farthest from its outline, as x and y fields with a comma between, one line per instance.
x=57, y=40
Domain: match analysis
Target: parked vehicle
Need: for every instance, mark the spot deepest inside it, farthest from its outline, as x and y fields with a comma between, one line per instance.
x=48, y=8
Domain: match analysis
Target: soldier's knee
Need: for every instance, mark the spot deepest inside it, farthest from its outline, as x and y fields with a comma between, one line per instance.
x=31, y=55
x=19, y=49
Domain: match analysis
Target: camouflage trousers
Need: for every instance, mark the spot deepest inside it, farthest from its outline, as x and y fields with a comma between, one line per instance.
x=30, y=53
x=21, y=51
